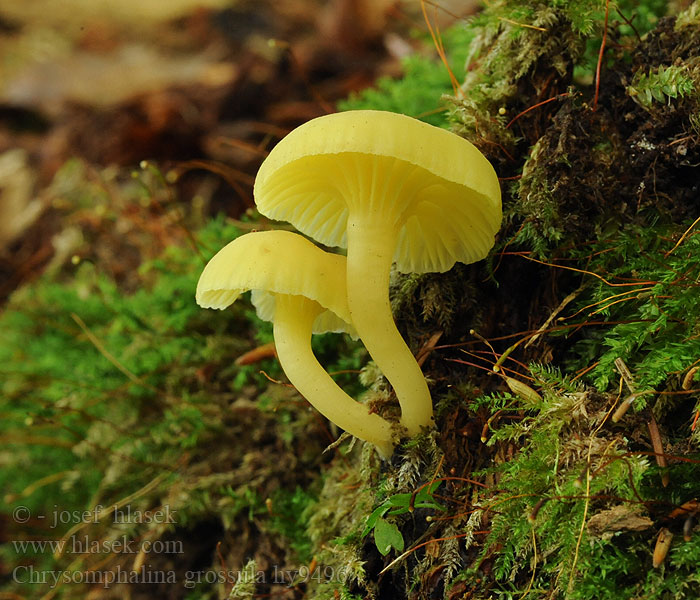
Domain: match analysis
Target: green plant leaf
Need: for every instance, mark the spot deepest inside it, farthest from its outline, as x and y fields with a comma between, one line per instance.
x=376, y=514
x=387, y=536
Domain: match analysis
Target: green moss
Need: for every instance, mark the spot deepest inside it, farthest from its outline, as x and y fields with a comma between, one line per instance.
x=113, y=396
x=291, y=512
x=540, y=535
x=661, y=85
x=650, y=296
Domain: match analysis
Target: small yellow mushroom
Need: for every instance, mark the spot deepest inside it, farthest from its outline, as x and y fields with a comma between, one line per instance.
x=388, y=188
x=301, y=289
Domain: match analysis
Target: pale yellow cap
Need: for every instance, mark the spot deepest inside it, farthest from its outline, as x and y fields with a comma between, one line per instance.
x=277, y=262
x=444, y=193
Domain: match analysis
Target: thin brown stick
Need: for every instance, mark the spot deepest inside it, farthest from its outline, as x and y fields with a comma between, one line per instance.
x=600, y=55
x=534, y=106
x=658, y=446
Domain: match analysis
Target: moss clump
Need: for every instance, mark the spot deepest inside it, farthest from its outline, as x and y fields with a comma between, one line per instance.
x=122, y=402
x=599, y=191
x=587, y=158
x=578, y=507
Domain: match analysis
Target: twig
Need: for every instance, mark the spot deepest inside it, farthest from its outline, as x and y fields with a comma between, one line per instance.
x=658, y=450
x=151, y=485
x=685, y=235
x=437, y=41
x=106, y=353
x=600, y=55
x=553, y=316
x=584, y=272
x=533, y=107
x=528, y=26
x=534, y=564
x=429, y=346
x=625, y=373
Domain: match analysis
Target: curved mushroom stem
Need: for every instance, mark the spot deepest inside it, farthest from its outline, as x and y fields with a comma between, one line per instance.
x=370, y=253
x=294, y=317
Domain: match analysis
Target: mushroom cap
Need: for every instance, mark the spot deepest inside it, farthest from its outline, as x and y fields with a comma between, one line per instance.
x=277, y=262
x=440, y=191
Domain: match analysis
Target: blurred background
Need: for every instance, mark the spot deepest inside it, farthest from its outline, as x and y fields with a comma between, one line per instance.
x=201, y=88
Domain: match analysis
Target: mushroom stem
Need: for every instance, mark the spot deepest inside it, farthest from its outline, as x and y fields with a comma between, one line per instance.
x=370, y=253
x=294, y=317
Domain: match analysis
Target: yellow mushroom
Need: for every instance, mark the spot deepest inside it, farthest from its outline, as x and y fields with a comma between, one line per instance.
x=389, y=188
x=301, y=289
